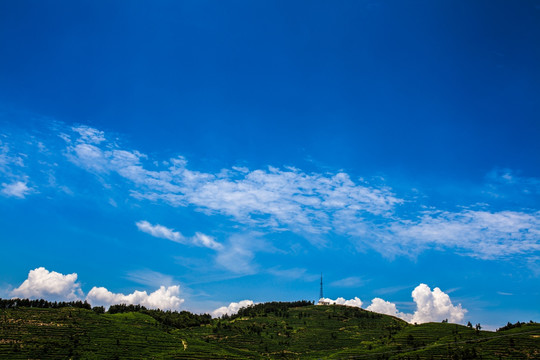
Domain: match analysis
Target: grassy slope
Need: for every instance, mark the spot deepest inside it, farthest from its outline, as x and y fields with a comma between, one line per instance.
x=77, y=333
x=310, y=332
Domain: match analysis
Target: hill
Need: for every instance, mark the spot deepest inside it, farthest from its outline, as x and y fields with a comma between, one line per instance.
x=273, y=330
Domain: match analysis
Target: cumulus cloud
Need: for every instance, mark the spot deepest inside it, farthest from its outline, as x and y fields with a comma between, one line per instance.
x=381, y=306
x=431, y=306
x=17, y=189
x=341, y=301
x=232, y=308
x=434, y=306
x=49, y=285
x=165, y=298
x=53, y=286
x=160, y=231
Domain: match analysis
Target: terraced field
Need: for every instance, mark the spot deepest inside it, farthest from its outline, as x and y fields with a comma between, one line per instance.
x=307, y=332
x=78, y=333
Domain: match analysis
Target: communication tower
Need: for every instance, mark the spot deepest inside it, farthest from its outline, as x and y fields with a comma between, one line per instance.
x=321, y=296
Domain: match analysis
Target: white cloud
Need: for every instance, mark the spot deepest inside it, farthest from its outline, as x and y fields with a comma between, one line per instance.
x=309, y=204
x=165, y=298
x=49, y=285
x=8, y=160
x=381, y=306
x=88, y=134
x=431, y=306
x=435, y=306
x=203, y=240
x=237, y=256
x=341, y=301
x=160, y=231
x=16, y=189
x=232, y=308
x=501, y=178
x=89, y=157
x=273, y=198
x=482, y=234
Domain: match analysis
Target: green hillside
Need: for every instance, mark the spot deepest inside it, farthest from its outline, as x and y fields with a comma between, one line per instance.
x=272, y=330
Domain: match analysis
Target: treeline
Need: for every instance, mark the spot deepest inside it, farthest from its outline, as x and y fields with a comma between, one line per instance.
x=277, y=308
x=42, y=304
x=180, y=320
x=513, y=326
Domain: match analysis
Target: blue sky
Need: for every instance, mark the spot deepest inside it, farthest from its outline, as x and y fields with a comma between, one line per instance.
x=230, y=151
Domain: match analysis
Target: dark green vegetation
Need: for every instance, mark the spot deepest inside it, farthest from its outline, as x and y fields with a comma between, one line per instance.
x=272, y=330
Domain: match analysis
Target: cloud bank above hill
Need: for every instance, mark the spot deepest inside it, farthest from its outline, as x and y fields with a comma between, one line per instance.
x=164, y=298
x=50, y=285
x=356, y=302
x=53, y=286
x=232, y=308
x=431, y=306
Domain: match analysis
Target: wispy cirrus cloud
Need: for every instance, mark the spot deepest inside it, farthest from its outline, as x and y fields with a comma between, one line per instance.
x=272, y=198
x=160, y=231
x=18, y=189
x=13, y=172
x=481, y=234
x=237, y=256
x=509, y=177
x=312, y=205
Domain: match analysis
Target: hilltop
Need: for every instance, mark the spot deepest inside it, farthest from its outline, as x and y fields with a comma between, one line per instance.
x=297, y=330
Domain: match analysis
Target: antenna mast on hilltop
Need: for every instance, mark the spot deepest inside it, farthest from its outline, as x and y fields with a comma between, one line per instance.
x=321, y=295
